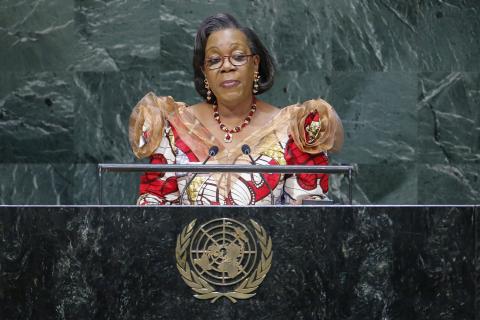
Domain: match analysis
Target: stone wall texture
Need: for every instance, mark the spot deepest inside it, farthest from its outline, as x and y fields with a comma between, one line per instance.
x=404, y=77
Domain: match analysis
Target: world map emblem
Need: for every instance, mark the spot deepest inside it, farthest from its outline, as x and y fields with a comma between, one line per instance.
x=223, y=258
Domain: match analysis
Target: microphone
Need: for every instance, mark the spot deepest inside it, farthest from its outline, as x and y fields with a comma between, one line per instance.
x=246, y=151
x=212, y=152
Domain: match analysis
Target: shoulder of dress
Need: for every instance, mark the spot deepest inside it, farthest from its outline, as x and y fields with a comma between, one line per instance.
x=165, y=103
x=315, y=126
x=312, y=104
x=147, y=122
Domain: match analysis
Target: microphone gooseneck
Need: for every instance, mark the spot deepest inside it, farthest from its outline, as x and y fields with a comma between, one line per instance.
x=247, y=151
x=212, y=152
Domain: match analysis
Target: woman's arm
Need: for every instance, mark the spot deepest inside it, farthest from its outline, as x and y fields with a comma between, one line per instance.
x=299, y=187
x=160, y=188
x=315, y=128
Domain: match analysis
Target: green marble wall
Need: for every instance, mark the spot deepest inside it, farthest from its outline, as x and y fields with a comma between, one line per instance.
x=404, y=77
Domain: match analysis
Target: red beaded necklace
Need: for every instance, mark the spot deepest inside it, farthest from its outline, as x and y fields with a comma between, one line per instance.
x=229, y=132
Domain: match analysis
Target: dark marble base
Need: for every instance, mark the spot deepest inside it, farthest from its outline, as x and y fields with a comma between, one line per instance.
x=328, y=263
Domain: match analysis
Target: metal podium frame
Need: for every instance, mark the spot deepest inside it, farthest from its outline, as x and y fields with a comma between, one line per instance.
x=237, y=168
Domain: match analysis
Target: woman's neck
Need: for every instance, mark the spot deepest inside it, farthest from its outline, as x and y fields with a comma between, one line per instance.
x=235, y=110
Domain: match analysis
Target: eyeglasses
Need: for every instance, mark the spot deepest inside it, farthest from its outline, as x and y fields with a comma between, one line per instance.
x=236, y=60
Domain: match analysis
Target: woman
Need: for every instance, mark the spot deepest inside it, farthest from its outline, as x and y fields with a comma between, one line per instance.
x=231, y=67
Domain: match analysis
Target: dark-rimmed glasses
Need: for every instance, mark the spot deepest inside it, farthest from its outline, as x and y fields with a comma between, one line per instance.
x=236, y=60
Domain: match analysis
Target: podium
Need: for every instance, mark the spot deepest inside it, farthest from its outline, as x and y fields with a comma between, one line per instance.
x=335, y=262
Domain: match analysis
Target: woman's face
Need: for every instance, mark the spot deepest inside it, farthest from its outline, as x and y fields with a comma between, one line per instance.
x=230, y=83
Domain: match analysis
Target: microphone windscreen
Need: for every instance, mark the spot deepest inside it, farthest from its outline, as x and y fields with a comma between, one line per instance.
x=213, y=151
x=246, y=149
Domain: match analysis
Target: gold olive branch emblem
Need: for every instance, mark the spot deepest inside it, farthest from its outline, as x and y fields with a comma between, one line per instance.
x=203, y=289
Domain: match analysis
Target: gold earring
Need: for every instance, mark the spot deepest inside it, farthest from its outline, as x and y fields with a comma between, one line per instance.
x=209, y=92
x=256, y=78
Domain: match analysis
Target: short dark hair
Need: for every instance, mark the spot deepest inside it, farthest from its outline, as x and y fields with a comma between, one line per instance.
x=223, y=21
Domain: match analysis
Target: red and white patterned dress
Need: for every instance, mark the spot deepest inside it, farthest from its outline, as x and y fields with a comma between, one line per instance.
x=168, y=132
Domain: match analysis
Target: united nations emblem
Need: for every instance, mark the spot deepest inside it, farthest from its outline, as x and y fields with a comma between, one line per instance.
x=221, y=258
